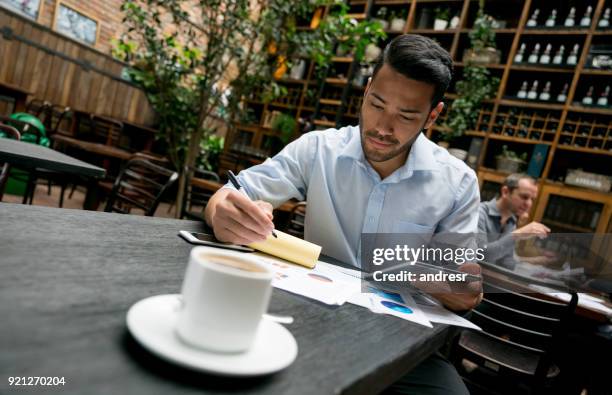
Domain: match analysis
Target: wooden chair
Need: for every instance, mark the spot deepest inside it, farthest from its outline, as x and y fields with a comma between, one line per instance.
x=97, y=129
x=295, y=226
x=196, y=198
x=57, y=119
x=37, y=107
x=512, y=353
x=141, y=184
x=103, y=130
x=6, y=168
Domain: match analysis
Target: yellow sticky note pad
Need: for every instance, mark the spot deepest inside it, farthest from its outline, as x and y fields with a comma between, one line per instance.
x=290, y=248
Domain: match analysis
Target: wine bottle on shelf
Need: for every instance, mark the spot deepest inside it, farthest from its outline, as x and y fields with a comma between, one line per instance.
x=572, y=59
x=545, y=58
x=603, y=98
x=604, y=22
x=586, y=19
x=558, y=58
x=522, y=93
x=570, y=20
x=535, y=54
x=587, y=100
x=552, y=19
x=533, y=20
x=533, y=92
x=518, y=58
x=562, y=96
x=545, y=95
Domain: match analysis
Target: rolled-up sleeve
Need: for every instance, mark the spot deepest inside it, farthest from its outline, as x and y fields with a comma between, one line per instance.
x=285, y=176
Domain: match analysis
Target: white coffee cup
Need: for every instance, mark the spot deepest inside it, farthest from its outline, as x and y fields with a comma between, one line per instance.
x=225, y=294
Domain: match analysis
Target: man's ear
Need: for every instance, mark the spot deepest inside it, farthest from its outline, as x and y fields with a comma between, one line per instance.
x=505, y=191
x=433, y=115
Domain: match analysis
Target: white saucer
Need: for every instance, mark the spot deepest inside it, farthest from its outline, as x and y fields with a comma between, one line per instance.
x=152, y=321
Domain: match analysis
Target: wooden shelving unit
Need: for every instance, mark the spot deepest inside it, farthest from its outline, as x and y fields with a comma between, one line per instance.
x=575, y=136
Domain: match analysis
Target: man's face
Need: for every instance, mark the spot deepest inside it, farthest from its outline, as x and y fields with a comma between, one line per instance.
x=522, y=197
x=394, y=111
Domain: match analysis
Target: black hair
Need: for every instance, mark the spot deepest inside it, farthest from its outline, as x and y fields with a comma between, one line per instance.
x=419, y=58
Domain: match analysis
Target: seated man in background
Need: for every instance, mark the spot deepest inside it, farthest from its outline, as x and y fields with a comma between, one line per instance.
x=383, y=176
x=498, y=218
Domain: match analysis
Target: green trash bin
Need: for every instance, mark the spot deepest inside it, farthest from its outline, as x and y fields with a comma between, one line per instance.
x=35, y=122
x=17, y=181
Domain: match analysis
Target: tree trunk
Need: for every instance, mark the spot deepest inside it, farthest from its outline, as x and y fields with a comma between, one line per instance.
x=187, y=170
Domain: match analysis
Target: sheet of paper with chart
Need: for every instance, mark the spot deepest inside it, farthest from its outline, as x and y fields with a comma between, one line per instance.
x=321, y=283
x=334, y=285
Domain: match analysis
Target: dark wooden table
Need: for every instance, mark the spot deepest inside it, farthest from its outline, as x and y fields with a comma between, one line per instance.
x=94, y=148
x=519, y=283
x=32, y=156
x=18, y=94
x=147, y=133
x=70, y=276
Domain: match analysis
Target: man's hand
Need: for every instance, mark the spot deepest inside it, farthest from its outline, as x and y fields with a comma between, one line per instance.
x=468, y=298
x=530, y=230
x=236, y=219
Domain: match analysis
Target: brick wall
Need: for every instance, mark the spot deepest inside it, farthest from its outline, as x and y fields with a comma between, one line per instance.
x=106, y=12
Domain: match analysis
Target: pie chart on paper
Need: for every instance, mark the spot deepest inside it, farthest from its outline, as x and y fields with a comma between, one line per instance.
x=396, y=307
x=320, y=278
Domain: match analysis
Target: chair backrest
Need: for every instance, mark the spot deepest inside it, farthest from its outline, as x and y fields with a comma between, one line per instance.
x=57, y=119
x=296, y=220
x=196, y=198
x=140, y=184
x=103, y=130
x=6, y=168
x=522, y=323
x=37, y=107
x=152, y=157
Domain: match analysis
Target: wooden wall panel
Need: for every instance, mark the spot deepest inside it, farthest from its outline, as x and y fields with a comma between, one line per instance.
x=65, y=82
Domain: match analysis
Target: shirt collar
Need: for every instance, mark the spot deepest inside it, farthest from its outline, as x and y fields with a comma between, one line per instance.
x=492, y=210
x=420, y=158
x=352, y=149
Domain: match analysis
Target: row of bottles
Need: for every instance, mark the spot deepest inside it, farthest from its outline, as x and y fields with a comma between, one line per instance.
x=532, y=93
x=546, y=57
x=570, y=20
x=602, y=100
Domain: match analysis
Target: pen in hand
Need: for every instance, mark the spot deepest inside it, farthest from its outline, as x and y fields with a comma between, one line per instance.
x=237, y=185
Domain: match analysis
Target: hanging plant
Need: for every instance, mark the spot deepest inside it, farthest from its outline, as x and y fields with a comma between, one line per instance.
x=476, y=85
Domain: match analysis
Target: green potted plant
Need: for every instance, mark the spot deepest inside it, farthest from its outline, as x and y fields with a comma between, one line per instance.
x=210, y=148
x=381, y=17
x=476, y=85
x=397, y=20
x=284, y=124
x=509, y=161
x=441, y=18
x=482, y=39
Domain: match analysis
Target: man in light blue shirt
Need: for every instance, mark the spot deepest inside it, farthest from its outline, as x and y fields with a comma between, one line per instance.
x=431, y=192
x=383, y=176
